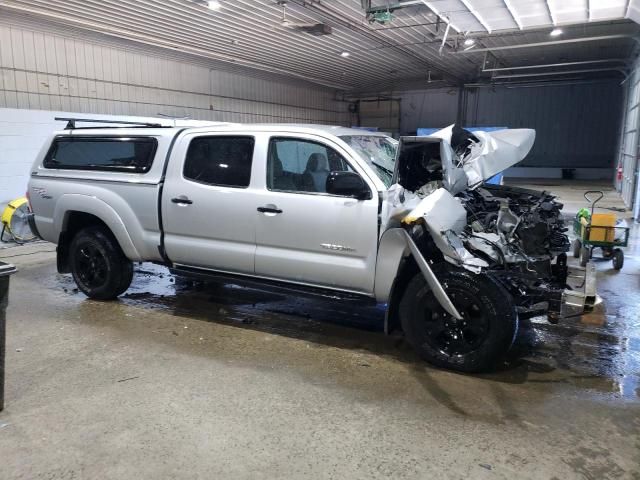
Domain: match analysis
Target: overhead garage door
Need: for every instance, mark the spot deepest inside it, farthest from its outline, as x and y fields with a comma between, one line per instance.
x=383, y=114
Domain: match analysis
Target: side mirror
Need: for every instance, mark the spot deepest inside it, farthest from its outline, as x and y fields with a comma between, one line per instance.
x=348, y=184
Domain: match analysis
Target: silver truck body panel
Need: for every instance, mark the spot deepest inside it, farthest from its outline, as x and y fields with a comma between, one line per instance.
x=392, y=249
x=313, y=239
x=320, y=240
x=126, y=202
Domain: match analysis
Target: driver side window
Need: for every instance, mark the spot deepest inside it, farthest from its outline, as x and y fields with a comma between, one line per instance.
x=296, y=165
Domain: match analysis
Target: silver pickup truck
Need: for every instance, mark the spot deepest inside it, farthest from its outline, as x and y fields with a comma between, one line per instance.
x=409, y=224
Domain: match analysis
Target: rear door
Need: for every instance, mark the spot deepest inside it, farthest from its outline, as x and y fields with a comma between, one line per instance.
x=208, y=211
x=304, y=234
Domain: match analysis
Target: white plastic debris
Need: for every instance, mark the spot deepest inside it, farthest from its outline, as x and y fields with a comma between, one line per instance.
x=445, y=218
x=495, y=152
x=441, y=210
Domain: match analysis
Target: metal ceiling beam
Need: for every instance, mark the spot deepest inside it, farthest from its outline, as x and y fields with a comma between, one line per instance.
x=439, y=14
x=553, y=20
x=336, y=18
x=551, y=65
x=478, y=17
x=566, y=72
x=550, y=43
x=513, y=13
x=538, y=83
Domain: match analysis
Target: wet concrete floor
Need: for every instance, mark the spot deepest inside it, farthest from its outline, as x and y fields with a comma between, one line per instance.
x=188, y=380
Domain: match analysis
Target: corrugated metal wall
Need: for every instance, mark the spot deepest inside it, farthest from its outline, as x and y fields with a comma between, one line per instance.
x=428, y=108
x=576, y=125
x=383, y=114
x=52, y=71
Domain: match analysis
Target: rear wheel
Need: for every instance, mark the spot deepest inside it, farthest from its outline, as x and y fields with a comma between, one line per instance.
x=476, y=342
x=618, y=259
x=99, y=267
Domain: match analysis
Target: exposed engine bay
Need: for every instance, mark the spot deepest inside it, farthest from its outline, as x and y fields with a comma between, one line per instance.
x=516, y=235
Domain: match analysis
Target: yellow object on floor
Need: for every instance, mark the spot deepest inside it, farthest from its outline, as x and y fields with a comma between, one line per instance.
x=10, y=208
x=600, y=220
x=15, y=222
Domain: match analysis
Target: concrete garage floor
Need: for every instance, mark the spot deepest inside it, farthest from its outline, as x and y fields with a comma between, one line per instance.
x=177, y=380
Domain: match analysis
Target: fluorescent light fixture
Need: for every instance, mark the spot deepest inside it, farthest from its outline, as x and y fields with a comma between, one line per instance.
x=344, y=54
x=469, y=41
x=555, y=32
x=214, y=5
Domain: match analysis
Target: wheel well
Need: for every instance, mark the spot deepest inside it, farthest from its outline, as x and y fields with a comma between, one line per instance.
x=406, y=271
x=74, y=222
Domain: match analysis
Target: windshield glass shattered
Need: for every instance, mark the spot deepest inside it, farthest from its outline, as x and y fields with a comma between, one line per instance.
x=378, y=151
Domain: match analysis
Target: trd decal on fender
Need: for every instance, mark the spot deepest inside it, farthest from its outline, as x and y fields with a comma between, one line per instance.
x=42, y=192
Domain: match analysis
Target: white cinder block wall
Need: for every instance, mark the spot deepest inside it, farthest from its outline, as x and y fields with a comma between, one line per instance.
x=22, y=135
x=46, y=70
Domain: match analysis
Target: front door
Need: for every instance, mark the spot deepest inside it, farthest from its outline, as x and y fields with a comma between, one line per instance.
x=304, y=234
x=208, y=212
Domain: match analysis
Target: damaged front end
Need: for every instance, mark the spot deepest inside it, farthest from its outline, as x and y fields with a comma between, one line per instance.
x=515, y=235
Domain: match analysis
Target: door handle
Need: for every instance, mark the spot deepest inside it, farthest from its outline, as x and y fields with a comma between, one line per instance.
x=269, y=210
x=182, y=200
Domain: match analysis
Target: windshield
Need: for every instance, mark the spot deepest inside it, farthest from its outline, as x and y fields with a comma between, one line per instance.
x=378, y=151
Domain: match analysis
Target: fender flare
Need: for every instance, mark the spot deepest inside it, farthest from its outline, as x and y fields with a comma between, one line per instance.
x=392, y=249
x=76, y=202
x=395, y=245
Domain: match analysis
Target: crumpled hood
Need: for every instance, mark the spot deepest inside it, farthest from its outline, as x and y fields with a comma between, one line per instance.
x=493, y=153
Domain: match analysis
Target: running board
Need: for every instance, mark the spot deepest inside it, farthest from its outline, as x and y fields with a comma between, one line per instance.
x=269, y=284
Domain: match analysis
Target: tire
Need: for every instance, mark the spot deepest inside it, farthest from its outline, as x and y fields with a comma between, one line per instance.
x=470, y=347
x=585, y=256
x=98, y=265
x=576, y=248
x=618, y=259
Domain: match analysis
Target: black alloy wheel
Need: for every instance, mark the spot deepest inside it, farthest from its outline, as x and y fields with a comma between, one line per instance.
x=91, y=266
x=474, y=343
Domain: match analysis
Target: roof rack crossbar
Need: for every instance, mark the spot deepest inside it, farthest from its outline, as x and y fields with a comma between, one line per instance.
x=71, y=122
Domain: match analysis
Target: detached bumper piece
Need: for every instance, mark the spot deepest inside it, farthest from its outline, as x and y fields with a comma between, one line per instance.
x=581, y=296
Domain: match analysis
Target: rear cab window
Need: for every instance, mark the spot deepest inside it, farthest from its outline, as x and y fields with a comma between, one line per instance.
x=113, y=154
x=220, y=160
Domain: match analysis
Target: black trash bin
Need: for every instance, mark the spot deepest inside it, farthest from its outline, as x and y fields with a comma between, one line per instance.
x=6, y=270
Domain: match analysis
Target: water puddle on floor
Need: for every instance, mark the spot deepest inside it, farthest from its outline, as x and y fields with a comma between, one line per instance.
x=597, y=353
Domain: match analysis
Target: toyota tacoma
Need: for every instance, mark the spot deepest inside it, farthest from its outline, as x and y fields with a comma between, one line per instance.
x=409, y=224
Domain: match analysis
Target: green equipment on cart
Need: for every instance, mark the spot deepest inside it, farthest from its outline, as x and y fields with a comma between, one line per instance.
x=598, y=230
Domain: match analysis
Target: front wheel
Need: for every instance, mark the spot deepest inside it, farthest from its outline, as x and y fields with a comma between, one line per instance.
x=99, y=267
x=476, y=342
